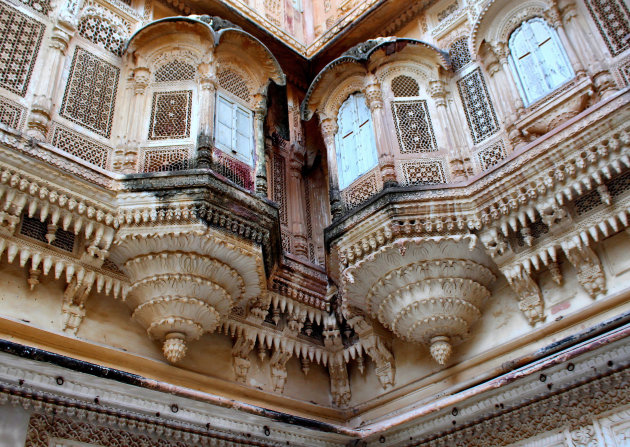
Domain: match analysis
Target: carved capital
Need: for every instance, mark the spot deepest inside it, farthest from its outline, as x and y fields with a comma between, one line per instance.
x=141, y=79
x=373, y=93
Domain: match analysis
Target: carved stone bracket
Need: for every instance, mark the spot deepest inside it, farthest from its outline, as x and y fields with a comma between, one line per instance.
x=278, y=363
x=243, y=345
x=530, y=300
x=590, y=273
x=339, y=383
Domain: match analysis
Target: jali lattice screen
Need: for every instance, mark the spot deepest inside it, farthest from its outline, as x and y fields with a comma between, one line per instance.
x=482, y=120
x=90, y=94
x=20, y=38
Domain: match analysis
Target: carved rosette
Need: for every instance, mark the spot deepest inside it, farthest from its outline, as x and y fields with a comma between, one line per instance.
x=184, y=283
x=425, y=290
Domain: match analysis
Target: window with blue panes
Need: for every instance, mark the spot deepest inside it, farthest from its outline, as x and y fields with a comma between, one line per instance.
x=356, y=148
x=538, y=60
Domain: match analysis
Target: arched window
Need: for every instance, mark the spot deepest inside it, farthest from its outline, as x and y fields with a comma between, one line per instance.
x=356, y=148
x=538, y=60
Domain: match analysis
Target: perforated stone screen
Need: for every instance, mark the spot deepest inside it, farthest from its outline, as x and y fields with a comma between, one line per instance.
x=90, y=94
x=361, y=190
x=20, y=38
x=175, y=71
x=480, y=115
x=42, y=6
x=613, y=21
x=423, y=172
x=80, y=146
x=279, y=184
x=167, y=159
x=11, y=114
x=460, y=53
x=234, y=83
x=101, y=33
x=232, y=169
x=170, y=115
x=414, y=129
x=405, y=86
x=490, y=156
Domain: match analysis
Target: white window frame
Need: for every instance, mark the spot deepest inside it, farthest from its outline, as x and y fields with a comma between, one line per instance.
x=535, y=53
x=246, y=157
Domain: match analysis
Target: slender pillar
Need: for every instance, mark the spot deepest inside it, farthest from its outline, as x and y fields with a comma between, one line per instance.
x=296, y=200
x=374, y=97
x=207, y=90
x=329, y=130
x=554, y=17
x=38, y=123
x=261, y=162
x=501, y=53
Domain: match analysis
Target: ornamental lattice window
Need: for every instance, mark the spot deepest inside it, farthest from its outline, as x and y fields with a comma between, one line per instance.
x=234, y=83
x=613, y=22
x=423, y=172
x=11, y=114
x=102, y=33
x=177, y=158
x=460, y=53
x=80, y=146
x=41, y=6
x=170, y=115
x=480, y=114
x=405, y=86
x=175, y=71
x=279, y=183
x=20, y=38
x=412, y=121
x=492, y=155
x=90, y=94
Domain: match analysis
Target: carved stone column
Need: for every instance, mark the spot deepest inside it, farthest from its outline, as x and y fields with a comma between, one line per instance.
x=501, y=53
x=576, y=33
x=497, y=84
x=261, y=162
x=374, y=97
x=329, y=129
x=554, y=17
x=438, y=93
x=296, y=200
x=38, y=123
x=207, y=90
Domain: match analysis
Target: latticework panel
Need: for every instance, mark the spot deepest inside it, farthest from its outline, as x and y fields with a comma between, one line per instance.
x=175, y=71
x=176, y=158
x=460, y=53
x=480, y=114
x=613, y=21
x=102, y=33
x=413, y=126
x=11, y=114
x=422, y=172
x=90, y=94
x=491, y=155
x=624, y=71
x=587, y=202
x=41, y=6
x=619, y=185
x=446, y=12
x=405, y=86
x=80, y=146
x=20, y=38
x=234, y=83
x=170, y=115
x=362, y=189
x=36, y=229
x=279, y=183
x=286, y=240
x=232, y=169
